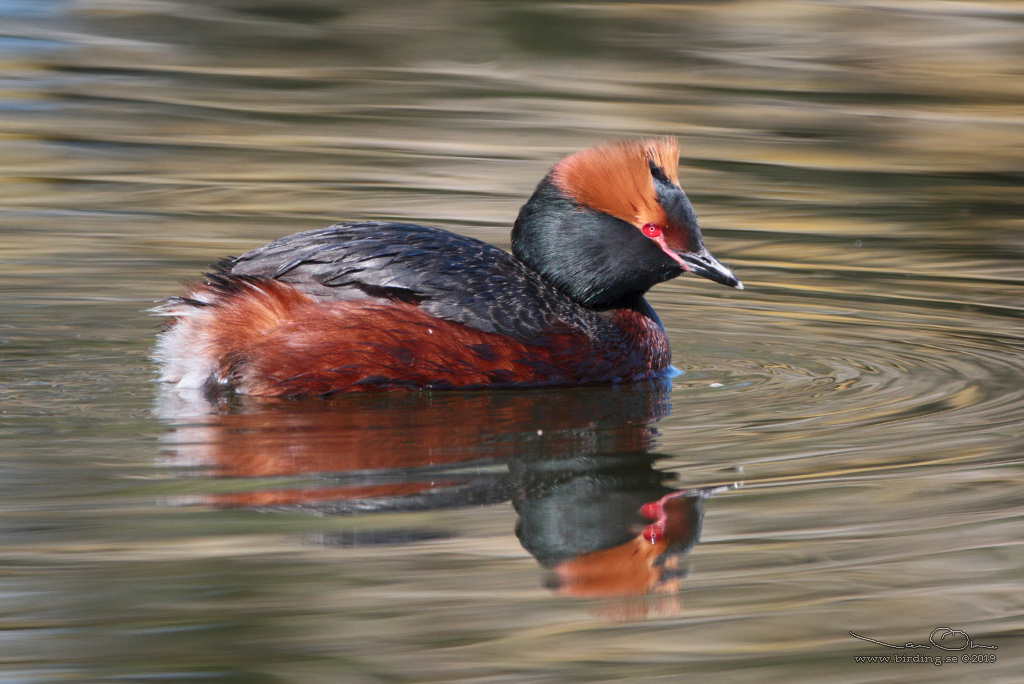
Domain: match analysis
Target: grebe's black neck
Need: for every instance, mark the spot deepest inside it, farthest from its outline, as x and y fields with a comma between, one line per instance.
x=599, y=261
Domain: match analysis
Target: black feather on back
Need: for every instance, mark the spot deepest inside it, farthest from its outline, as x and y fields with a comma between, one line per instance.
x=450, y=276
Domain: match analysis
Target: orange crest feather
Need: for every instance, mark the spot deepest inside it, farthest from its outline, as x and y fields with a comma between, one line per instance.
x=615, y=178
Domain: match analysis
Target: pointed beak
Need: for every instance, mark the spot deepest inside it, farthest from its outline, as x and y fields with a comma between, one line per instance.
x=703, y=264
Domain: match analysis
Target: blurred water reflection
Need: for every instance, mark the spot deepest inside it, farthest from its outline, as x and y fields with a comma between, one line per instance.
x=858, y=163
x=576, y=464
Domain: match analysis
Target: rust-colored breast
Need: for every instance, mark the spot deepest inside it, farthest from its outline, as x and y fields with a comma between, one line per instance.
x=270, y=339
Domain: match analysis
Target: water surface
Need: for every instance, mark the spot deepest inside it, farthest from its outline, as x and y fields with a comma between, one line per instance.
x=841, y=453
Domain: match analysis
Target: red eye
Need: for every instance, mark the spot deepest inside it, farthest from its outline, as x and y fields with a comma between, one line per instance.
x=652, y=230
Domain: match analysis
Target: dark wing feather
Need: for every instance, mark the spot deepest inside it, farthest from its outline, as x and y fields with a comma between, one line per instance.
x=450, y=276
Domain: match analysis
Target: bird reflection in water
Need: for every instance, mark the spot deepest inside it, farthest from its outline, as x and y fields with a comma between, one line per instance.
x=577, y=465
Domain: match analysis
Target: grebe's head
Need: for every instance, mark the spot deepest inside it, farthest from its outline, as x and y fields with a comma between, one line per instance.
x=607, y=224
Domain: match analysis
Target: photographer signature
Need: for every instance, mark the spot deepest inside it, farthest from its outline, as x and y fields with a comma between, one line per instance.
x=942, y=633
